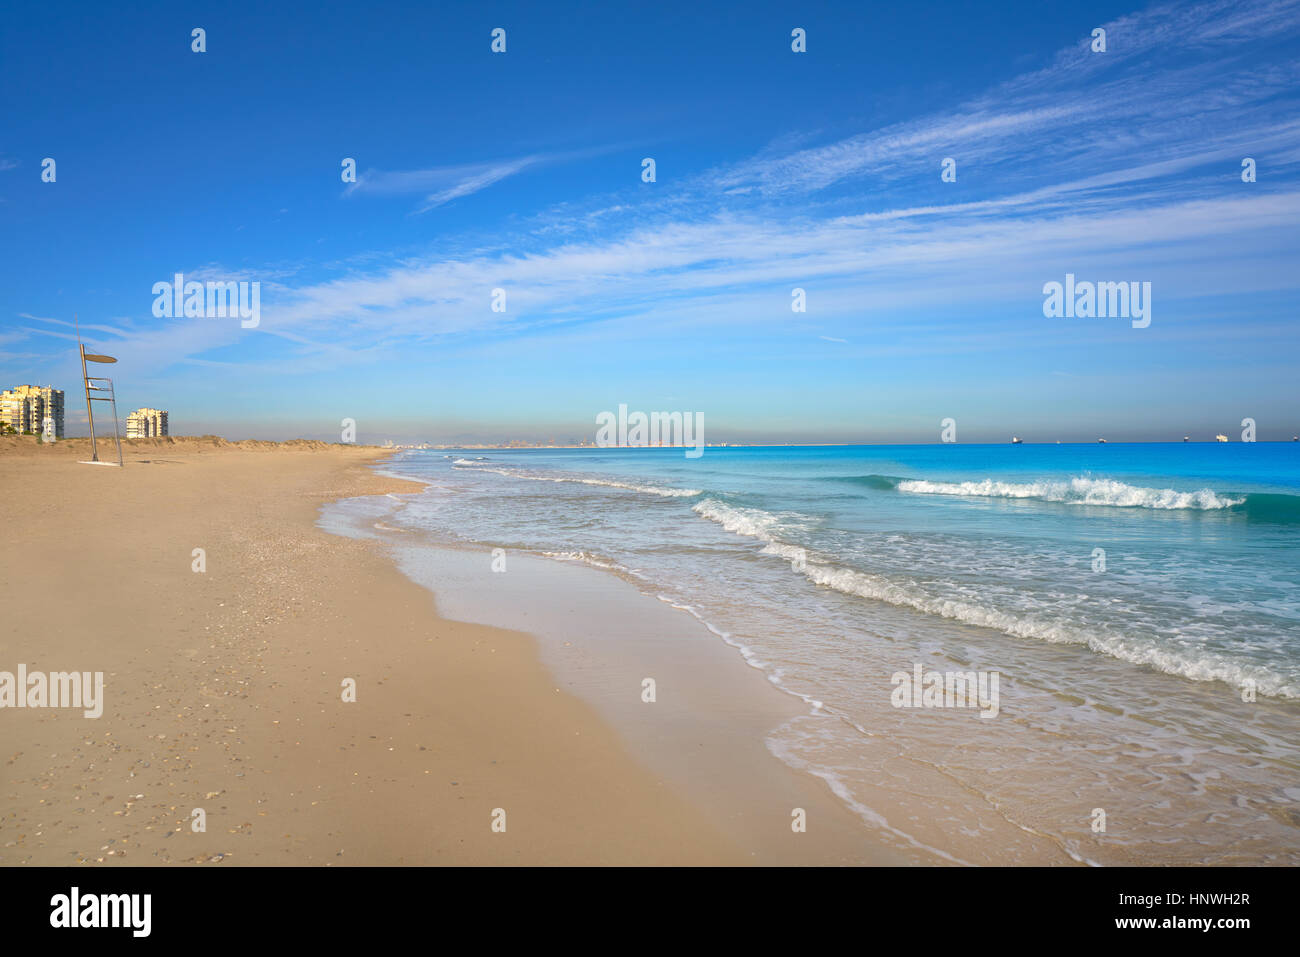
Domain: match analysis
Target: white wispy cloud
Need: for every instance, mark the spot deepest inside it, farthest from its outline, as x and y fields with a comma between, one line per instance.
x=1171, y=76
x=1125, y=162
x=90, y=327
x=443, y=184
x=860, y=265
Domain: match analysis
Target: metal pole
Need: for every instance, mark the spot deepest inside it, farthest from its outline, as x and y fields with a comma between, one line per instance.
x=117, y=436
x=90, y=411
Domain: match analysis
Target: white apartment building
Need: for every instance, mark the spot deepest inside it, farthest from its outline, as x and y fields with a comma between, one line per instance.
x=146, y=424
x=25, y=408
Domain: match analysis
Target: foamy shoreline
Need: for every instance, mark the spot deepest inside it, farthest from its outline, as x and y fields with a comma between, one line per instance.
x=706, y=734
x=716, y=731
x=1078, y=727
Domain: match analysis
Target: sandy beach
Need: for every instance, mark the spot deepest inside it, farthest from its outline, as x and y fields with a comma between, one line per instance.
x=224, y=691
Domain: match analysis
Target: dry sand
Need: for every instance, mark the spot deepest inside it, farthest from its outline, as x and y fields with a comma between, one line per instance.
x=223, y=688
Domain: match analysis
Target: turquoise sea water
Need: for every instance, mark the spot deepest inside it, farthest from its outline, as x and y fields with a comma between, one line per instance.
x=1141, y=603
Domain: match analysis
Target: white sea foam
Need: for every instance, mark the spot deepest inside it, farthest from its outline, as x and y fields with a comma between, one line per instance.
x=1077, y=491
x=584, y=558
x=661, y=490
x=789, y=755
x=746, y=652
x=1196, y=664
x=754, y=522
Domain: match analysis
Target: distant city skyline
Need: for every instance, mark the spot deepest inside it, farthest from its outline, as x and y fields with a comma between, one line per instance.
x=501, y=268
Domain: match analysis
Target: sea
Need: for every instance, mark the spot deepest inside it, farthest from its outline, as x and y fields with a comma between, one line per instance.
x=1139, y=605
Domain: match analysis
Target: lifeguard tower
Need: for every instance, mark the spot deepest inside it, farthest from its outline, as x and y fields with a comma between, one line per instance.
x=105, y=385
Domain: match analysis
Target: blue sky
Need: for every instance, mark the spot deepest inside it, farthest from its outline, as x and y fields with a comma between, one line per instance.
x=775, y=170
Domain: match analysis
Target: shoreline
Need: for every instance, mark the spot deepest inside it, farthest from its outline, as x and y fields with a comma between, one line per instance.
x=223, y=687
x=1188, y=773
x=721, y=741
x=707, y=731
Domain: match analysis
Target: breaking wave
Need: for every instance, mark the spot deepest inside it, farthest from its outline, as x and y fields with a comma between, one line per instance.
x=661, y=490
x=1193, y=663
